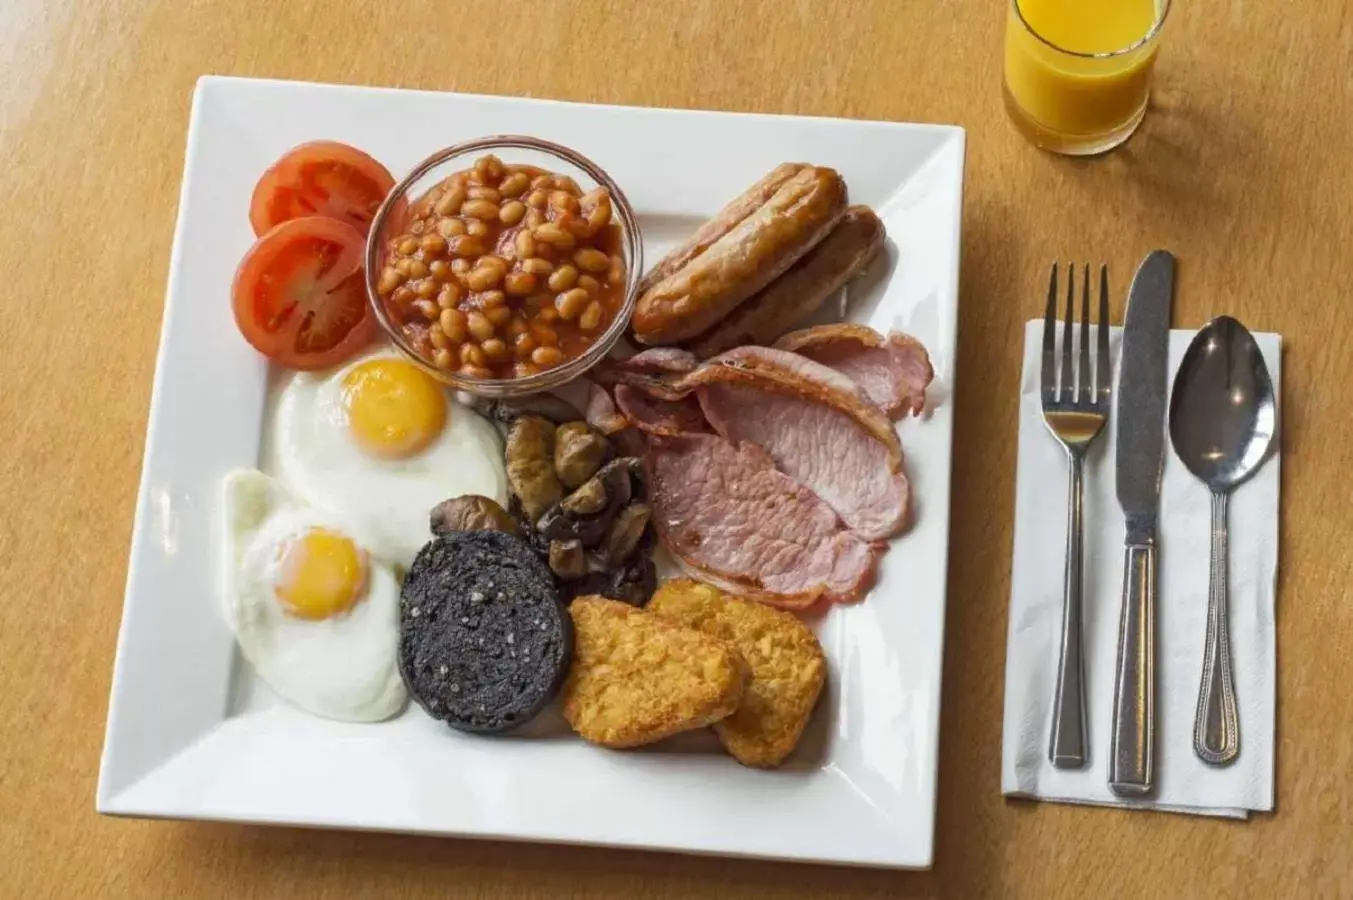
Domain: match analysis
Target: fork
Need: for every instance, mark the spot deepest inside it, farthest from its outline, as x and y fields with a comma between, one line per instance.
x=1075, y=411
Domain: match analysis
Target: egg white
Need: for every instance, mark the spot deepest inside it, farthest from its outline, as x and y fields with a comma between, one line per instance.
x=344, y=667
x=311, y=450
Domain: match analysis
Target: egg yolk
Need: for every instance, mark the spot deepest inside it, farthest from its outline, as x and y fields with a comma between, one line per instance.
x=394, y=408
x=323, y=573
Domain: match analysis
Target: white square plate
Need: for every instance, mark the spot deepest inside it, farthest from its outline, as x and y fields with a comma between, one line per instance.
x=192, y=735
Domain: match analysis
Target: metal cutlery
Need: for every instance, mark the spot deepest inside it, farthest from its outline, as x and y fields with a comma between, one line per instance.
x=1139, y=457
x=1223, y=416
x=1075, y=399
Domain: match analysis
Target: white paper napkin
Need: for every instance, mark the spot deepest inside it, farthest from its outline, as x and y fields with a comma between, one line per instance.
x=1183, y=782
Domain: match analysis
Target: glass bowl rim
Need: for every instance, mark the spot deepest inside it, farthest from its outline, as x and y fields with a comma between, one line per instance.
x=541, y=381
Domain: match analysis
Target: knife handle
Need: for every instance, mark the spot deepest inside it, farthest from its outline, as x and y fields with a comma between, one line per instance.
x=1132, y=757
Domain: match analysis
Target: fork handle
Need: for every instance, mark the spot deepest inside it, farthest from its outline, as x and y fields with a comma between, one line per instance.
x=1069, y=744
x=1132, y=757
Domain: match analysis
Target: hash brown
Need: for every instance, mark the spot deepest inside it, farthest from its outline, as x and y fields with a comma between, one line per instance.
x=638, y=678
x=787, y=664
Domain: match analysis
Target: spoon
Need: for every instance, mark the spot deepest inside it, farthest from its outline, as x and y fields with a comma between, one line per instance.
x=1222, y=419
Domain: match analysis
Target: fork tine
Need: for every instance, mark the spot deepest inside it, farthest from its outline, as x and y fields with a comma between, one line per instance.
x=1049, y=374
x=1083, y=364
x=1102, y=379
x=1068, y=374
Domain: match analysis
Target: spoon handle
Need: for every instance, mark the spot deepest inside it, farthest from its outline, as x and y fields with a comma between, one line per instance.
x=1216, y=730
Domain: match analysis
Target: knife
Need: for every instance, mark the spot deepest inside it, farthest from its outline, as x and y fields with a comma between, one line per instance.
x=1140, y=454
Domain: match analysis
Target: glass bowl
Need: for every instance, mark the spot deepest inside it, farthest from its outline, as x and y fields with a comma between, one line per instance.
x=512, y=149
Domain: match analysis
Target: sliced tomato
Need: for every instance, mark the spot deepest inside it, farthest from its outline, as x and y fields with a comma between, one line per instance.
x=300, y=295
x=321, y=178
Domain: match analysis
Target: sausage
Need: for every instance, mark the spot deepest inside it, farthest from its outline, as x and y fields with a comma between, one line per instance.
x=799, y=292
x=724, y=221
x=744, y=260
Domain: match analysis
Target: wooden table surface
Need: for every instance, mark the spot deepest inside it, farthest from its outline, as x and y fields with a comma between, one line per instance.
x=1242, y=168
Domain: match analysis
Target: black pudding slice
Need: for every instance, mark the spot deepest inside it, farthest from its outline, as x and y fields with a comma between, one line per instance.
x=484, y=642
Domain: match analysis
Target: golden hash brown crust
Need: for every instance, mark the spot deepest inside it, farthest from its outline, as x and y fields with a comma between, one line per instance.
x=787, y=663
x=638, y=678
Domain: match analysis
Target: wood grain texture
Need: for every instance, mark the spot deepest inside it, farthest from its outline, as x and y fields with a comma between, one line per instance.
x=1242, y=168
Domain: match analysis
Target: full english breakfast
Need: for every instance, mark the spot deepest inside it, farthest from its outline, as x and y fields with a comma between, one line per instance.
x=491, y=555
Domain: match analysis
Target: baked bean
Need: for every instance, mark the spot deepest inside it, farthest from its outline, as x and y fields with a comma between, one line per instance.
x=449, y=296
x=523, y=344
x=537, y=199
x=408, y=246
x=449, y=203
x=442, y=359
x=425, y=288
x=483, y=278
x=547, y=357
x=417, y=228
x=438, y=338
x=452, y=324
x=389, y=281
x=449, y=228
x=590, y=259
x=541, y=181
x=433, y=244
x=495, y=349
x=476, y=228
x=544, y=335
x=479, y=325
x=485, y=193
x=596, y=208
x=480, y=209
x=589, y=284
x=534, y=218
x=427, y=309
x=524, y=244
x=418, y=268
x=498, y=315
x=616, y=272
x=470, y=371
x=514, y=184
x=564, y=277
x=552, y=234
x=440, y=269
x=566, y=183
x=489, y=168
x=402, y=266
x=548, y=314
x=472, y=354
x=591, y=317
x=563, y=201
x=512, y=212
x=492, y=298
x=495, y=262
x=574, y=225
x=517, y=325
x=467, y=246
x=537, y=266
x=571, y=303
x=402, y=296
x=519, y=284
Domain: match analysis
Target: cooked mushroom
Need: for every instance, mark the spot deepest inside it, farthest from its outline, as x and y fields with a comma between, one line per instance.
x=568, y=560
x=471, y=512
x=578, y=453
x=530, y=465
x=624, y=534
x=633, y=583
x=619, y=476
x=586, y=500
x=559, y=525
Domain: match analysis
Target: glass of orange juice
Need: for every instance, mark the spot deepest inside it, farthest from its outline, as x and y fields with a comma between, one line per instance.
x=1078, y=73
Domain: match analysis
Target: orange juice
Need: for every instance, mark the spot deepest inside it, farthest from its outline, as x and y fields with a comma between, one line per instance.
x=1078, y=72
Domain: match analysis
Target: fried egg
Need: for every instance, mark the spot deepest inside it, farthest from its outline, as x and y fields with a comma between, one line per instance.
x=380, y=439
x=314, y=610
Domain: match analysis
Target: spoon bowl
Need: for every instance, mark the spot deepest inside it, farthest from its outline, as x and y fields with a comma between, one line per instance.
x=1222, y=419
x=1222, y=412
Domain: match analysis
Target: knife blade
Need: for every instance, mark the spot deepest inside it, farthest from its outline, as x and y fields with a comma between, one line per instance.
x=1139, y=459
